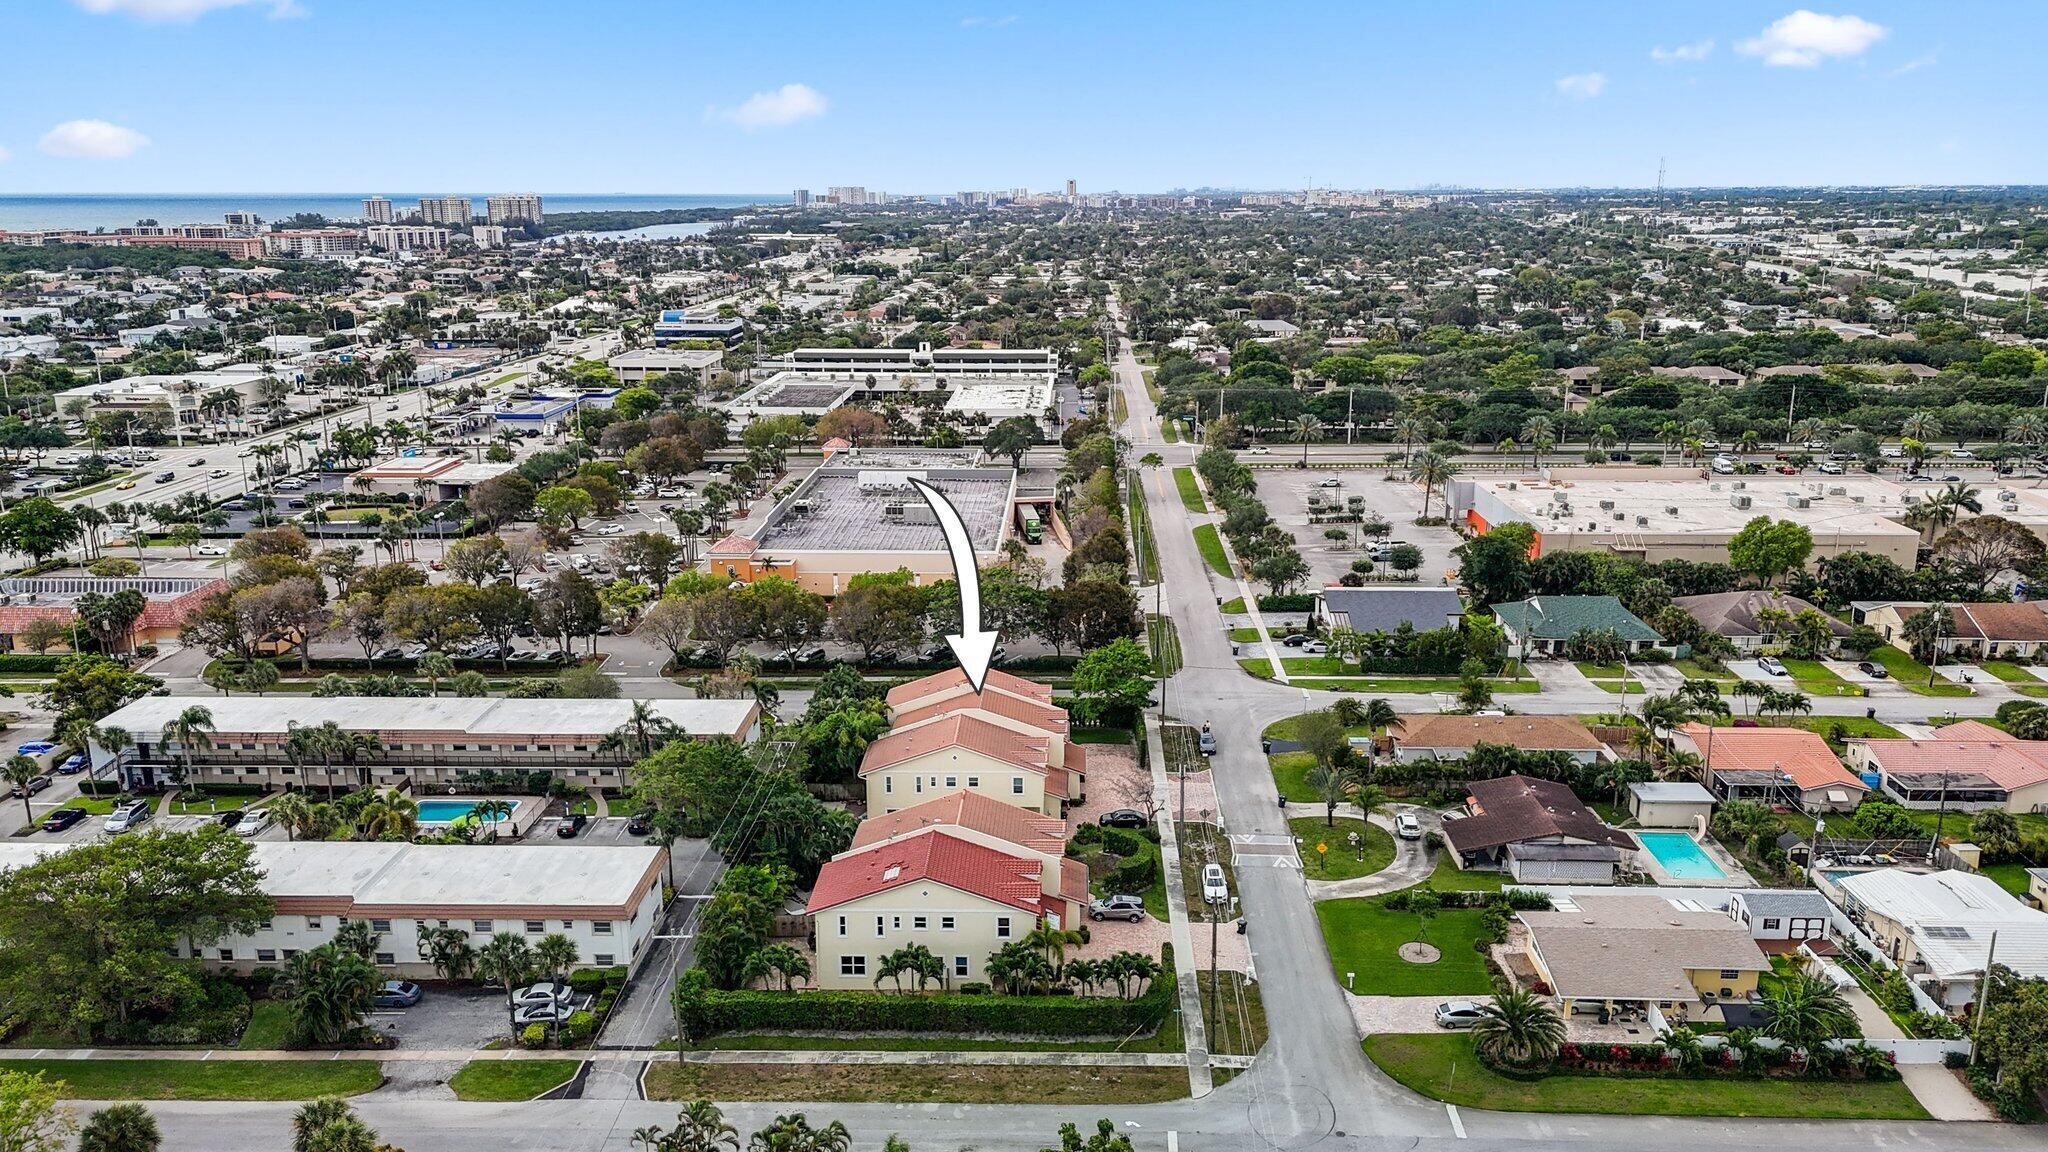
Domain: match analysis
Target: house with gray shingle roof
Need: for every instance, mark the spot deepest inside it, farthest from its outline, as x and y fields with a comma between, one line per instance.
x=1386, y=609
x=1542, y=625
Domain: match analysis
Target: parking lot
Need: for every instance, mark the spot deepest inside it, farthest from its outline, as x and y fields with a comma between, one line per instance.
x=1286, y=492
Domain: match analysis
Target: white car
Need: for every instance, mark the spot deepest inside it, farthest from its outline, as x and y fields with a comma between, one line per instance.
x=1315, y=647
x=1771, y=665
x=210, y=550
x=556, y=1012
x=1830, y=468
x=1407, y=827
x=128, y=817
x=542, y=994
x=1215, y=889
x=1258, y=450
x=1332, y=482
x=1962, y=454
x=1458, y=1014
x=253, y=823
x=217, y=474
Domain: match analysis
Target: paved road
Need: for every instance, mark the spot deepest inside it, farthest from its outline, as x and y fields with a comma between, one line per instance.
x=1312, y=1086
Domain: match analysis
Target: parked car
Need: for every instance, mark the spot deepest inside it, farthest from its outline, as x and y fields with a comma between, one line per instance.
x=253, y=822
x=641, y=824
x=549, y=993
x=1772, y=666
x=1332, y=482
x=231, y=818
x=72, y=765
x=211, y=550
x=1294, y=639
x=571, y=827
x=1215, y=889
x=128, y=817
x=1458, y=1014
x=63, y=818
x=1830, y=468
x=1130, y=908
x=35, y=784
x=556, y=1013
x=1407, y=827
x=1123, y=818
x=1316, y=647
x=1206, y=742
x=397, y=994
x=35, y=748
x=1873, y=669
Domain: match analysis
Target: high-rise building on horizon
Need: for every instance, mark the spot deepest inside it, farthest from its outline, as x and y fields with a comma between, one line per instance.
x=1073, y=190
x=513, y=206
x=445, y=210
x=376, y=210
x=802, y=196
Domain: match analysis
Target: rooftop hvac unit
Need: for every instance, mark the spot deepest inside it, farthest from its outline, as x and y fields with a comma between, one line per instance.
x=1512, y=486
x=2007, y=496
x=1607, y=505
x=894, y=510
x=1909, y=498
x=1857, y=499
x=1671, y=509
x=1560, y=497
x=1592, y=526
x=1714, y=487
x=1838, y=490
x=1621, y=515
x=800, y=508
x=1642, y=521
x=1739, y=501
x=1738, y=485
x=1798, y=502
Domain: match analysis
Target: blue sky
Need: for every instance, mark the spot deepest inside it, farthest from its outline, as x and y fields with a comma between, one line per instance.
x=674, y=96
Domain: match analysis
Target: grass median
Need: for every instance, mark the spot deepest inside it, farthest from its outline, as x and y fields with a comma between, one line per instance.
x=1211, y=545
x=1190, y=490
x=510, y=1080
x=1375, y=848
x=205, y=1080
x=1445, y=1067
x=916, y=1084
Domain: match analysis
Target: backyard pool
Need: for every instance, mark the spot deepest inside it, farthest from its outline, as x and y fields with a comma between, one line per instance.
x=449, y=811
x=1681, y=856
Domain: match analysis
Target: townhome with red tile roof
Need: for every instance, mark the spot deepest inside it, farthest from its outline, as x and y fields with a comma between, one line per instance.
x=940, y=686
x=963, y=751
x=992, y=824
x=1029, y=717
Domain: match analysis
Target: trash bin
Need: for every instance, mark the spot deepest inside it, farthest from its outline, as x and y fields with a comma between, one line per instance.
x=1870, y=713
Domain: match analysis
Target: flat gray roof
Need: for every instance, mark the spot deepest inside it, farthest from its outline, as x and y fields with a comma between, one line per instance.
x=1672, y=792
x=475, y=716
x=509, y=875
x=846, y=515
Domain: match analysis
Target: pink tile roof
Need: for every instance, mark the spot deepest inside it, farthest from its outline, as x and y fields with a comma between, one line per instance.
x=941, y=859
x=958, y=731
x=904, y=695
x=971, y=810
x=735, y=545
x=1966, y=747
x=1042, y=716
x=1801, y=755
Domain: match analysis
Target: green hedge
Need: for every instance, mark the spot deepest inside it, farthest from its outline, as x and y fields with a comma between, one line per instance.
x=1297, y=602
x=753, y=1011
x=1135, y=875
x=30, y=662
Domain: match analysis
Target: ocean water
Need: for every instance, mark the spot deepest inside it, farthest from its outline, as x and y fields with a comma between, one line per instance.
x=90, y=211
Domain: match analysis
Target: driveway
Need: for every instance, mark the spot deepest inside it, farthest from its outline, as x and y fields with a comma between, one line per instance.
x=1406, y=1014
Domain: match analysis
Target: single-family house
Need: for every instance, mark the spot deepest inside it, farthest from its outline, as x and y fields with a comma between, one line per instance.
x=1544, y=625
x=1704, y=373
x=1746, y=617
x=1451, y=737
x=1608, y=955
x=1966, y=766
x=1780, y=917
x=1974, y=630
x=1788, y=766
x=1536, y=831
x=1387, y=609
x=910, y=765
x=1937, y=926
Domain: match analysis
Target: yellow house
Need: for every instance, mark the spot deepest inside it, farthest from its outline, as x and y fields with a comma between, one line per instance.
x=992, y=824
x=952, y=684
x=1632, y=951
x=1023, y=715
x=962, y=752
x=960, y=899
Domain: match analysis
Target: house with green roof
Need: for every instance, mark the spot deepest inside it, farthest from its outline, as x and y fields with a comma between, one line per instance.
x=1542, y=625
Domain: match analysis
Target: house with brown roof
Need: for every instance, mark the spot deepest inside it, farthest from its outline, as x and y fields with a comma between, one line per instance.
x=167, y=601
x=907, y=766
x=954, y=682
x=1705, y=373
x=1603, y=955
x=1448, y=737
x=1788, y=766
x=1536, y=831
x=1967, y=766
x=1746, y=616
x=1974, y=631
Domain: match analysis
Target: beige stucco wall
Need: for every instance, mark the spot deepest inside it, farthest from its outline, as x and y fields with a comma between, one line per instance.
x=974, y=934
x=944, y=770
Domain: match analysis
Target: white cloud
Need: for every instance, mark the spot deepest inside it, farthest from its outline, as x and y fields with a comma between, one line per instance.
x=5, y=155
x=1804, y=39
x=987, y=21
x=92, y=140
x=1698, y=50
x=1916, y=64
x=181, y=11
x=1583, y=86
x=785, y=105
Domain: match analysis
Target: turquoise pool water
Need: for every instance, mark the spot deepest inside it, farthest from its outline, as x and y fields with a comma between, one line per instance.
x=1681, y=856
x=447, y=811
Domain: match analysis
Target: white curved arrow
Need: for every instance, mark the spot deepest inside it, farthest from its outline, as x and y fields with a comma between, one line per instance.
x=973, y=647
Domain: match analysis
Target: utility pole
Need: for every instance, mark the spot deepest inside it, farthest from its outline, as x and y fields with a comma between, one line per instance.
x=1983, y=996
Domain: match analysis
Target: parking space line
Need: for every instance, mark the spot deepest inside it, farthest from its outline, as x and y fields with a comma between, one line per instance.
x=1457, y=1125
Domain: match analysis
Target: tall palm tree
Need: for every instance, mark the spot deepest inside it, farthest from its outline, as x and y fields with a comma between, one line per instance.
x=1518, y=1028
x=293, y=811
x=1922, y=426
x=19, y=771
x=1431, y=470
x=555, y=954
x=1306, y=429
x=436, y=667
x=1540, y=434
x=389, y=815
x=506, y=959
x=192, y=730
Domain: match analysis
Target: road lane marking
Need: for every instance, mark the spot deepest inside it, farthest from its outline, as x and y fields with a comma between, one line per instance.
x=1172, y=1141
x=1457, y=1125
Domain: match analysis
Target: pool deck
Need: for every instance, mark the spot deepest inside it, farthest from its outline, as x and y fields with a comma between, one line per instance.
x=526, y=812
x=1733, y=874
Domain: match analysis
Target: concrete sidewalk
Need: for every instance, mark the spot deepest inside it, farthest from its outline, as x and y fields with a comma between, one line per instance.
x=994, y=1056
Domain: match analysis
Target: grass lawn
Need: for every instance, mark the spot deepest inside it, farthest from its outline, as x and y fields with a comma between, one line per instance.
x=1825, y=725
x=1245, y=635
x=1911, y=674
x=1237, y=1023
x=1448, y=877
x=1365, y=938
x=1099, y=735
x=206, y=1080
x=1312, y=670
x=501, y=1080
x=93, y=805
x=2017, y=678
x=1190, y=490
x=1815, y=679
x=1289, y=768
x=268, y=1020
x=1211, y=545
x=1342, y=861
x=912, y=1084
x=1165, y=643
x=1232, y=607
x=1141, y=531
x=1693, y=670
x=1171, y=430
x=2011, y=877
x=1444, y=1067
x=1166, y=1039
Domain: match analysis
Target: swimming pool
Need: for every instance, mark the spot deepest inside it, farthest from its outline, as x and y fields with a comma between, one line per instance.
x=1681, y=856
x=449, y=811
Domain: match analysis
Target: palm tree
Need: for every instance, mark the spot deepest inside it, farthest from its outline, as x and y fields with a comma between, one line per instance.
x=436, y=667
x=2028, y=430
x=1922, y=426
x=700, y=1127
x=506, y=959
x=492, y=813
x=293, y=811
x=1431, y=470
x=1053, y=942
x=1540, y=434
x=327, y=992
x=794, y=1134
x=1306, y=429
x=192, y=729
x=1379, y=714
x=19, y=771
x=555, y=954
x=1518, y=1028
x=1803, y=1010
x=120, y=1128
x=313, y=1117
x=784, y=963
x=390, y=815
x=1411, y=427
x=449, y=951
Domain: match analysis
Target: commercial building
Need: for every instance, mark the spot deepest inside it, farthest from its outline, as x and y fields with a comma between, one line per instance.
x=1967, y=766
x=435, y=477
x=427, y=741
x=605, y=898
x=313, y=243
x=994, y=400
x=676, y=327
x=487, y=236
x=923, y=360
x=1938, y=926
x=1680, y=514
x=789, y=394
x=445, y=210
x=167, y=600
x=536, y=416
x=1603, y=955
x=377, y=210
x=859, y=513
x=507, y=209
x=407, y=238
x=1788, y=766
x=643, y=364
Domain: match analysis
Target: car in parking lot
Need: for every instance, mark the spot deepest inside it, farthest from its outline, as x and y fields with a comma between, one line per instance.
x=211, y=550
x=1458, y=1014
x=1123, y=818
x=63, y=818
x=640, y=824
x=35, y=748
x=230, y=818
x=1407, y=827
x=253, y=822
x=1316, y=647
x=557, y=1013
x=1872, y=669
x=1294, y=639
x=1206, y=742
x=570, y=827
x=34, y=785
x=1215, y=889
x=1332, y=482
x=1130, y=908
x=1771, y=665
x=128, y=817
x=72, y=765
x=549, y=993
x=397, y=994
x=1830, y=468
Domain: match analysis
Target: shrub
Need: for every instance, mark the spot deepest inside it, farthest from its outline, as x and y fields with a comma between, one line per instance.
x=717, y=1012
x=1137, y=875
x=533, y=1036
x=1122, y=842
x=580, y=1028
x=587, y=980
